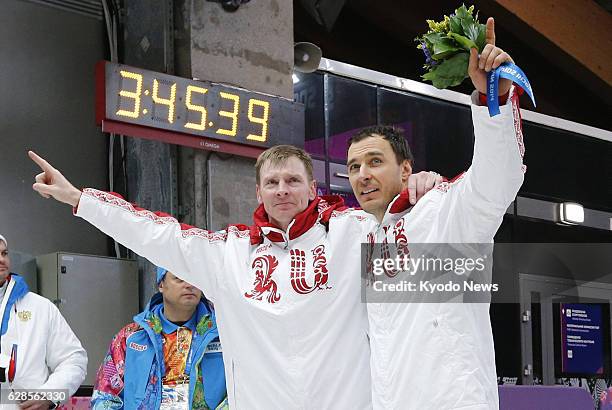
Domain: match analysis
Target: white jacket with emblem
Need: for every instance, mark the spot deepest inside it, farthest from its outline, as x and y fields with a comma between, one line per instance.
x=440, y=355
x=48, y=354
x=289, y=310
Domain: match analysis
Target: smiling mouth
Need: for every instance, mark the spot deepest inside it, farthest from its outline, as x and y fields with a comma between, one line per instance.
x=369, y=191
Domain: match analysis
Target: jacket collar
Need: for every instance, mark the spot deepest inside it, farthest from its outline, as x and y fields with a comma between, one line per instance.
x=151, y=317
x=319, y=210
x=399, y=205
x=20, y=289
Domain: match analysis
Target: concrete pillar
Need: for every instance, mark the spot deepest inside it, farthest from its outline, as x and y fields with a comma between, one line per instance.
x=148, y=42
x=250, y=48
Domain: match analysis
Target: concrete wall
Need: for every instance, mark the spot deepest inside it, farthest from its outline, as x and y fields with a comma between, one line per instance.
x=47, y=59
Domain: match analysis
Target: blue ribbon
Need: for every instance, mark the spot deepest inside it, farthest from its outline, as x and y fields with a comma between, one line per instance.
x=511, y=72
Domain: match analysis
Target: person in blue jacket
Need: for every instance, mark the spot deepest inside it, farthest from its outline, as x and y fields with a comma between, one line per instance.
x=169, y=358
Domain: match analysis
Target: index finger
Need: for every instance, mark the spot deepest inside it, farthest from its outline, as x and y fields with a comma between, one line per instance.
x=412, y=189
x=40, y=161
x=490, y=31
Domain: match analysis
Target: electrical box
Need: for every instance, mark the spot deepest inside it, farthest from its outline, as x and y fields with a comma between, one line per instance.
x=96, y=295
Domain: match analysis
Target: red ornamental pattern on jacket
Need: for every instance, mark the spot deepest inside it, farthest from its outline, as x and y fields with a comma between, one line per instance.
x=265, y=265
x=264, y=268
x=401, y=243
x=369, y=256
x=298, y=270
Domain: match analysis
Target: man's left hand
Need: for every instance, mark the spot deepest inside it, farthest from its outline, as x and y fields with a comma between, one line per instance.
x=490, y=58
x=421, y=183
x=35, y=405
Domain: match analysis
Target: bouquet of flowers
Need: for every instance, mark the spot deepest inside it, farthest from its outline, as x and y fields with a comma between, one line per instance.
x=447, y=46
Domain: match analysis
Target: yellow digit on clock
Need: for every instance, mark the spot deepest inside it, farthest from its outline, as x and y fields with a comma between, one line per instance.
x=230, y=114
x=165, y=101
x=194, y=107
x=263, y=120
x=135, y=95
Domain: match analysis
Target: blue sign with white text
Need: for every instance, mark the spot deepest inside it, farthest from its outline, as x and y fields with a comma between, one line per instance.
x=582, y=338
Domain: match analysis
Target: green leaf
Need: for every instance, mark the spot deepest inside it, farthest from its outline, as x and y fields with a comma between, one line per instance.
x=438, y=82
x=467, y=24
x=455, y=25
x=465, y=42
x=462, y=12
x=450, y=73
x=471, y=32
x=444, y=48
x=482, y=37
x=432, y=39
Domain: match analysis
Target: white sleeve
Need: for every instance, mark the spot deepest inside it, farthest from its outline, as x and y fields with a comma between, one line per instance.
x=194, y=255
x=473, y=207
x=66, y=358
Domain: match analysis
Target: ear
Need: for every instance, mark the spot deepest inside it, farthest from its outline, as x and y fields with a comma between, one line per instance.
x=312, y=193
x=160, y=287
x=406, y=170
x=259, y=200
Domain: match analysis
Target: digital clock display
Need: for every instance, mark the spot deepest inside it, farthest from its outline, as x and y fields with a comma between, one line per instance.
x=199, y=109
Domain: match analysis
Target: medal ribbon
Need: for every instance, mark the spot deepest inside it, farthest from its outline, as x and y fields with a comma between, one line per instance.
x=511, y=72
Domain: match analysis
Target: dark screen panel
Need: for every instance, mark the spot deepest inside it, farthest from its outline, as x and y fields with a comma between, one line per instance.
x=440, y=133
x=567, y=166
x=308, y=90
x=351, y=106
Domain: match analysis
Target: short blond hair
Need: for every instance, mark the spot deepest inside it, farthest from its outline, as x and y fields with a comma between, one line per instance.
x=279, y=154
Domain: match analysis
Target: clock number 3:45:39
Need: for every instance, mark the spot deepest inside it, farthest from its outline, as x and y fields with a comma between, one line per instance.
x=255, y=106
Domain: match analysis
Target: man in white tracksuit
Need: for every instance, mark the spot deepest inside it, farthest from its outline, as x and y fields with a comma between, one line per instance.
x=439, y=355
x=38, y=350
x=286, y=290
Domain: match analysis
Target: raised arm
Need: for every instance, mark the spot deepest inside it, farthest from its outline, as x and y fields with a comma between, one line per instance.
x=477, y=201
x=193, y=254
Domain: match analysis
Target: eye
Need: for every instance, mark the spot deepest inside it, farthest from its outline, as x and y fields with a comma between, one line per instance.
x=272, y=182
x=376, y=161
x=353, y=168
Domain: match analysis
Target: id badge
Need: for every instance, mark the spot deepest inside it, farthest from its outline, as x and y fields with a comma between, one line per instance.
x=175, y=397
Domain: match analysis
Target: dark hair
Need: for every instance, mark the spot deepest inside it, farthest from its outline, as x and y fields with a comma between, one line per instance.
x=395, y=137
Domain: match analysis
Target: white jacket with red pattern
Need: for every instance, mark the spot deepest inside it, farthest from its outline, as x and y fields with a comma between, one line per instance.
x=440, y=355
x=289, y=311
x=288, y=305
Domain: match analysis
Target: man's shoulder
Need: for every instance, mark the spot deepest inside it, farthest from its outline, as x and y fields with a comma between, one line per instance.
x=128, y=330
x=34, y=300
x=352, y=215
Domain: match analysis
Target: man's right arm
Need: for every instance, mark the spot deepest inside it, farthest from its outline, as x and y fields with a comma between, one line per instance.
x=192, y=254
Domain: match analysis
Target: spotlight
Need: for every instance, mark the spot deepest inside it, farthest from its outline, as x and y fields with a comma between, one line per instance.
x=571, y=213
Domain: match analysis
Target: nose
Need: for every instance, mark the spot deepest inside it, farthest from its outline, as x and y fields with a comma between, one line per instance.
x=364, y=173
x=282, y=189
